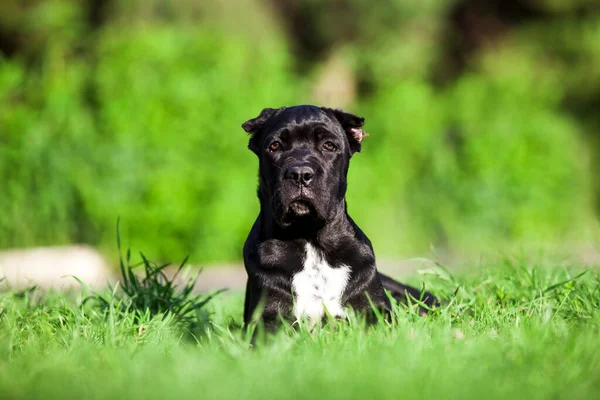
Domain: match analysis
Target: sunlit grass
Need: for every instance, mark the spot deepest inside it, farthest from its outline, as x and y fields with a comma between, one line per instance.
x=508, y=329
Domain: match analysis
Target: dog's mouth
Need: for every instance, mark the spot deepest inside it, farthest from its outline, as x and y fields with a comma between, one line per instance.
x=298, y=207
x=301, y=208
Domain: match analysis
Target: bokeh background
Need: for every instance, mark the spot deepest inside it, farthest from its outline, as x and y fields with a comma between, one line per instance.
x=484, y=119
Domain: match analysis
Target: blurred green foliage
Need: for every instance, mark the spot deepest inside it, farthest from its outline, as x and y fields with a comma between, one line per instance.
x=483, y=118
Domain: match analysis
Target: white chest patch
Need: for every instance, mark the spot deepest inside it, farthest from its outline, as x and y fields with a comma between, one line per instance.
x=319, y=286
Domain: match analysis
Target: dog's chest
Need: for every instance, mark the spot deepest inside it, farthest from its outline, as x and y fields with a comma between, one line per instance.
x=319, y=287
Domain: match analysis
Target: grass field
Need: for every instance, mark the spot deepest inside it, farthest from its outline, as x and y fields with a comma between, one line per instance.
x=507, y=330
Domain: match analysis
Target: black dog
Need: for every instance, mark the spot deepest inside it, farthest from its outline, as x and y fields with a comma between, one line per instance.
x=304, y=254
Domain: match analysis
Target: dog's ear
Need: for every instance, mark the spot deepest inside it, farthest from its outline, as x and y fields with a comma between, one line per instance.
x=352, y=125
x=255, y=126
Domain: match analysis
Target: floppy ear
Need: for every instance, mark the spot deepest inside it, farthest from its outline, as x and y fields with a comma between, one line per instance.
x=255, y=126
x=352, y=125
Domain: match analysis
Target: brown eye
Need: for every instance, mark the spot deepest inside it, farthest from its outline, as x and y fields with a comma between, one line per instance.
x=329, y=146
x=274, y=146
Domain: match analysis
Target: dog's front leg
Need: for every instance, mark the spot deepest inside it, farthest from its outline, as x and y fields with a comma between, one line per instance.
x=267, y=300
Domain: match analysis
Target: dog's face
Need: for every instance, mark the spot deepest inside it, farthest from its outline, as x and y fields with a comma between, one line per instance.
x=304, y=152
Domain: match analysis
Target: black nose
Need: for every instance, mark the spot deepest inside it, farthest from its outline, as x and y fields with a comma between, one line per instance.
x=300, y=174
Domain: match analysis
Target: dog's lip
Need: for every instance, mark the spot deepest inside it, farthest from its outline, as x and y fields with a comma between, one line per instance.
x=303, y=198
x=301, y=206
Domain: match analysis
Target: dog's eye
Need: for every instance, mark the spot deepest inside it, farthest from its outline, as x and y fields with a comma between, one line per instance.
x=274, y=146
x=329, y=146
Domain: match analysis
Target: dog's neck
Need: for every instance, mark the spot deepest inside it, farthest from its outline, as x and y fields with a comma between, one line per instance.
x=316, y=232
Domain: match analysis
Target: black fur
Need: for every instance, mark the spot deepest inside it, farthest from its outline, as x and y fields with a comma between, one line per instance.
x=302, y=187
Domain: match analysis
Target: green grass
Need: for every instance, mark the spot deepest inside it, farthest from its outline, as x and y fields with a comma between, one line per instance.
x=507, y=330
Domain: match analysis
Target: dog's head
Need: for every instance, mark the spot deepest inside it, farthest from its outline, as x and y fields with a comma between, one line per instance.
x=304, y=152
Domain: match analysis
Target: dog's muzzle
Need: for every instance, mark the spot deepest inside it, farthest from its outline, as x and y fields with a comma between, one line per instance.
x=298, y=197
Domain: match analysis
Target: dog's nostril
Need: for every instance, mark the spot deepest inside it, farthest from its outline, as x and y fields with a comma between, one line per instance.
x=300, y=174
x=307, y=176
